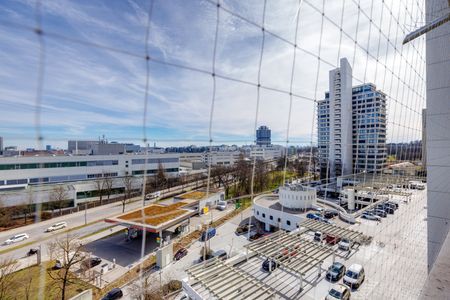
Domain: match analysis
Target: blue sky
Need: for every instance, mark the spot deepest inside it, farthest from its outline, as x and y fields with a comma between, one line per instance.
x=90, y=91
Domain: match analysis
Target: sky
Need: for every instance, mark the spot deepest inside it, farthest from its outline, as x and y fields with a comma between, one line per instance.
x=95, y=71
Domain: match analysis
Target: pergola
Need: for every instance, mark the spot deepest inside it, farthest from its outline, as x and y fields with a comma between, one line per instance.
x=336, y=231
x=224, y=281
x=292, y=253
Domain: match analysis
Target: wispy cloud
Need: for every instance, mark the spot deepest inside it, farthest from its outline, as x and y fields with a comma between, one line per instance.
x=89, y=91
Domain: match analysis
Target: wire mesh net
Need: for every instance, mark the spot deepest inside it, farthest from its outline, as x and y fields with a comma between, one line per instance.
x=209, y=73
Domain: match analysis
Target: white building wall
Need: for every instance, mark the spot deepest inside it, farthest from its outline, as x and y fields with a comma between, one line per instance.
x=270, y=217
x=296, y=199
x=438, y=129
x=124, y=165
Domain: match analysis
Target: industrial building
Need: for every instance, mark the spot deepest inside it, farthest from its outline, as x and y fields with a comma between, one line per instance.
x=20, y=174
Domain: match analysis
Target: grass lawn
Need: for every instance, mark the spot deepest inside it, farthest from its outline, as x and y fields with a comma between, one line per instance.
x=22, y=278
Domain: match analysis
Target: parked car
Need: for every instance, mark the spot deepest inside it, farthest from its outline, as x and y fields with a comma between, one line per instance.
x=255, y=236
x=390, y=205
x=331, y=239
x=270, y=263
x=395, y=204
x=208, y=234
x=380, y=213
x=90, y=263
x=370, y=216
x=182, y=252
x=313, y=216
x=336, y=271
x=58, y=265
x=16, y=238
x=222, y=254
x=338, y=291
x=32, y=251
x=57, y=226
x=222, y=205
x=330, y=213
x=344, y=244
x=244, y=228
x=113, y=294
x=354, y=276
x=319, y=236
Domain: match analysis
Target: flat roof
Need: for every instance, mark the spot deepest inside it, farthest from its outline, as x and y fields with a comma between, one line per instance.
x=272, y=202
x=154, y=217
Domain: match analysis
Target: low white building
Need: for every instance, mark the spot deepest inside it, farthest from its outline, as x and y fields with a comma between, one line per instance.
x=266, y=152
x=285, y=210
x=19, y=175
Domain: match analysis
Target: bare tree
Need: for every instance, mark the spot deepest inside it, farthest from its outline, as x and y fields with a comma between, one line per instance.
x=108, y=185
x=99, y=186
x=68, y=250
x=59, y=195
x=127, y=181
x=28, y=208
x=161, y=177
x=27, y=285
x=7, y=277
x=147, y=288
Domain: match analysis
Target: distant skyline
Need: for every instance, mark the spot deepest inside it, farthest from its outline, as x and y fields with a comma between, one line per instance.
x=89, y=91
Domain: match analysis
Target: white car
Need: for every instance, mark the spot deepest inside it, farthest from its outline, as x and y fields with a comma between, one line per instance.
x=355, y=276
x=222, y=205
x=16, y=238
x=338, y=291
x=370, y=216
x=344, y=244
x=57, y=226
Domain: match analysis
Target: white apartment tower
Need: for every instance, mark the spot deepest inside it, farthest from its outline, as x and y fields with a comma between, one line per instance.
x=351, y=126
x=335, y=124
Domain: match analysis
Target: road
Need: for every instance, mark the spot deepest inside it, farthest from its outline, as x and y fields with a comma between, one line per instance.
x=94, y=218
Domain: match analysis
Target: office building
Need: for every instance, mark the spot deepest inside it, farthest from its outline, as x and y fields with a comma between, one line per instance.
x=351, y=126
x=263, y=136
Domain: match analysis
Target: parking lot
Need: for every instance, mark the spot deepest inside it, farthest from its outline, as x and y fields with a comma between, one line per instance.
x=394, y=261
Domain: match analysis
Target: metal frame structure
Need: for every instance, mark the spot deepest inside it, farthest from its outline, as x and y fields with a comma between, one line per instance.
x=224, y=281
x=292, y=252
x=336, y=231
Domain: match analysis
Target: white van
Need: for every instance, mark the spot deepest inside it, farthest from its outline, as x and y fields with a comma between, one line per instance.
x=354, y=276
x=57, y=226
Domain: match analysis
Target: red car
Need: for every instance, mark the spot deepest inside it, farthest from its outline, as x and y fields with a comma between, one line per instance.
x=332, y=240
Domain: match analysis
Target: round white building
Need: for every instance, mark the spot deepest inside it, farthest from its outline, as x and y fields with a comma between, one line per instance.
x=285, y=210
